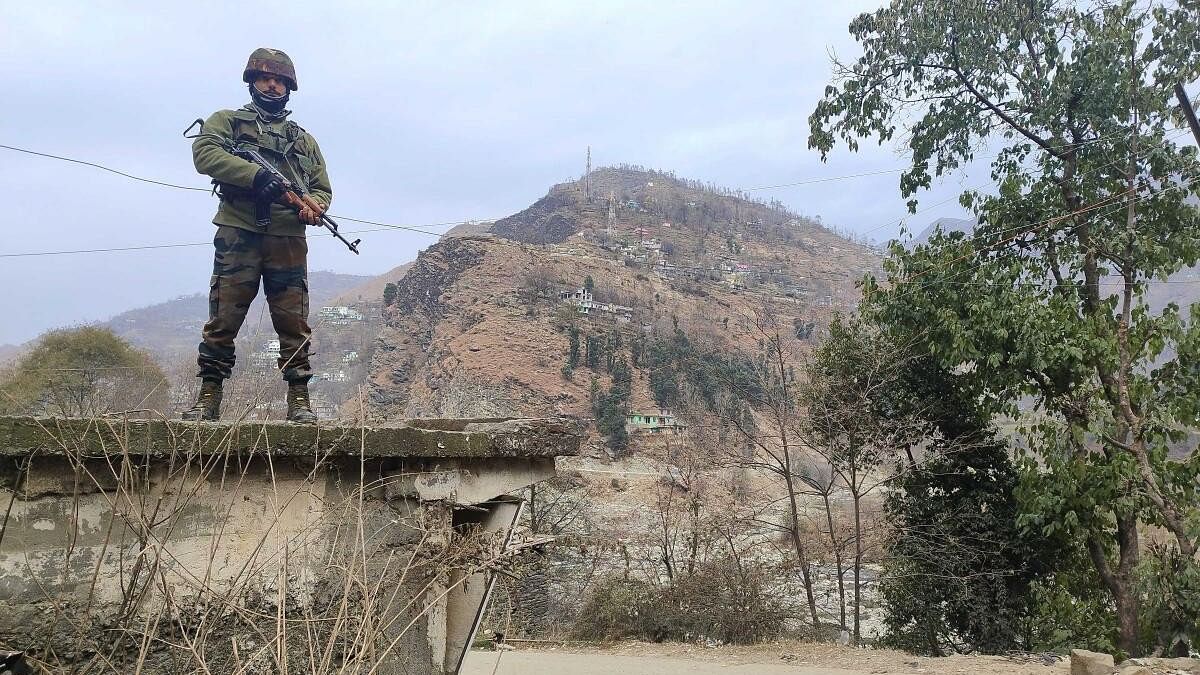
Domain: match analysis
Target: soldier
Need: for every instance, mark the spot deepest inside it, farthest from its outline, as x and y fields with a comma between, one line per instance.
x=258, y=238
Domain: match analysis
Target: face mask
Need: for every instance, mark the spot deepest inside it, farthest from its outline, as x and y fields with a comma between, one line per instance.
x=270, y=104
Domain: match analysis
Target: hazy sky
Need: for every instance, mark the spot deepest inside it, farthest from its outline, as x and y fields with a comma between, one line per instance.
x=427, y=112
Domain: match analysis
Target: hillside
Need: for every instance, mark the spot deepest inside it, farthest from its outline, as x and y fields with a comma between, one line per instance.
x=10, y=353
x=170, y=331
x=167, y=328
x=371, y=290
x=479, y=327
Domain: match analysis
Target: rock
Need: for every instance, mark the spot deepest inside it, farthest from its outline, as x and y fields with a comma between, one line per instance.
x=1135, y=670
x=1084, y=662
x=619, y=485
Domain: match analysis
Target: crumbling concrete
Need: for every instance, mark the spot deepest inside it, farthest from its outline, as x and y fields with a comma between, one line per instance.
x=264, y=547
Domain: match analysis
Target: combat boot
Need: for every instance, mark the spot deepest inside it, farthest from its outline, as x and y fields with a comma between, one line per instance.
x=298, y=407
x=208, y=403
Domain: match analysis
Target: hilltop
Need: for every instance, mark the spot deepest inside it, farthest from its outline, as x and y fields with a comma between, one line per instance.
x=481, y=323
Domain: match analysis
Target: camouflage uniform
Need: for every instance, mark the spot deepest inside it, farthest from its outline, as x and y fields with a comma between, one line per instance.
x=242, y=258
x=266, y=243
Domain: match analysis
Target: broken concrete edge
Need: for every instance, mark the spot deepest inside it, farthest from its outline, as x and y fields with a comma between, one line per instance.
x=427, y=438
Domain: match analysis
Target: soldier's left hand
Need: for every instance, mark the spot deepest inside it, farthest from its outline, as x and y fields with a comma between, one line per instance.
x=311, y=217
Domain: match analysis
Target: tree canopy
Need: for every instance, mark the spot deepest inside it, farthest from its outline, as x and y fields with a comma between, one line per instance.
x=1042, y=313
x=81, y=372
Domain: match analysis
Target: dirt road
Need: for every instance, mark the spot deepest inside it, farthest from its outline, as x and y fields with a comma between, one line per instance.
x=776, y=659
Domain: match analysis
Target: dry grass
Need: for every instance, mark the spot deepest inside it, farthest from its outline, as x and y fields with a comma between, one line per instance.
x=329, y=576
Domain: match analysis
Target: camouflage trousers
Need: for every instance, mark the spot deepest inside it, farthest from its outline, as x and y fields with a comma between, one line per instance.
x=241, y=259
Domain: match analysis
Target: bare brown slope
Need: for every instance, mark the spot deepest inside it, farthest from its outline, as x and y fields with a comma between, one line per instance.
x=466, y=337
x=371, y=290
x=478, y=328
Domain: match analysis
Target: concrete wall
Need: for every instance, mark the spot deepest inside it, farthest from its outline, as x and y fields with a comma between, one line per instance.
x=245, y=561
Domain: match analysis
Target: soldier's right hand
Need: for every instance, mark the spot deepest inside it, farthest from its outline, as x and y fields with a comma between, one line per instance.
x=266, y=188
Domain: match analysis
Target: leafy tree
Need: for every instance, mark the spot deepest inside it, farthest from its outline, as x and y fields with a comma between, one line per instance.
x=389, y=294
x=612, y=407
x=573, y=342
x=622, y=378
x=613, y=345
x=595, y=348
x=851, y=419
x=589, y=284
x=1046, y=302
x=637, y=345
x=82, y=372
x=958, y=570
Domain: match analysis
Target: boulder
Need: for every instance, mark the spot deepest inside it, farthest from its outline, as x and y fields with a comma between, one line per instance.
x=1084, y=662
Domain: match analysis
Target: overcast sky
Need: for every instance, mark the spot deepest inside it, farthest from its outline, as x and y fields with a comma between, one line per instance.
x=427, y=112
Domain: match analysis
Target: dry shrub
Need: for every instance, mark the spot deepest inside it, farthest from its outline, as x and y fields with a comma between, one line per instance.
x=346, y=592
x=725, y=600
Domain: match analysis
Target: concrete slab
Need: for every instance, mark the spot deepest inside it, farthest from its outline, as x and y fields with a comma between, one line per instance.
x=433, y=438
x=172, y=547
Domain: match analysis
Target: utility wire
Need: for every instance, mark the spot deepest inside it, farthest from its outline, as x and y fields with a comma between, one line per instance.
x=102, y=168
x=181, y=187
x=828, y=179
x=1172, y=134
x=144, y=247
x=387, y=226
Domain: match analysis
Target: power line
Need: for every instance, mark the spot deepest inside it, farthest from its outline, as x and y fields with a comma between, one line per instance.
x=828, y=179
x=1172, y=134
x=906, y=285
x=118, y=249
x=102, y=168
x=152, y=181
x=418, y=229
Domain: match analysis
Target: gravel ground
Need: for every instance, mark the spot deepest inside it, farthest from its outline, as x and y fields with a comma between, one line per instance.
x=772, y=659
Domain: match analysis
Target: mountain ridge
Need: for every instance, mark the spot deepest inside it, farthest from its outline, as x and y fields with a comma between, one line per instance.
x=481, y=324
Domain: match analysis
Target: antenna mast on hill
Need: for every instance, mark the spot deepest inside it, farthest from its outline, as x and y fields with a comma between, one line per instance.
x=587, y=176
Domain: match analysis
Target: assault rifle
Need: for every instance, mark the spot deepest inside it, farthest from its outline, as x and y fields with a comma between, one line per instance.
x=295, y=196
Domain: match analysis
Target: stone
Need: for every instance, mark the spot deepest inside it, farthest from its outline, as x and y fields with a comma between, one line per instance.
x=1135, y=670
x=1084, y=662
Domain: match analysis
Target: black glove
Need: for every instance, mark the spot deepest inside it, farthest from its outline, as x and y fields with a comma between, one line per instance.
x=266, y=188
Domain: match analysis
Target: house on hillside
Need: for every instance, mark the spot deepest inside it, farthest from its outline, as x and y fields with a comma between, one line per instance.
x=339, y=376
x=662, y=422
x=581, y=298
x=584, y=304
x=266, y=356
x=340, y=315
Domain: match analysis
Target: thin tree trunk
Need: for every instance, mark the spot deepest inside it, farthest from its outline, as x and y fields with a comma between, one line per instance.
x=694, y=548
x=798, y=544
x=858, y=552
x=837, y=556
x=781, y=423
x=1120, y=582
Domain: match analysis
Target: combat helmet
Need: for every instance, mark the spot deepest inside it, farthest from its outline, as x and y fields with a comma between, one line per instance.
x=273, y=61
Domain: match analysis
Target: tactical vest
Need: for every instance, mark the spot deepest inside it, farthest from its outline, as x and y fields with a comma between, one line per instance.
x=286, y=145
